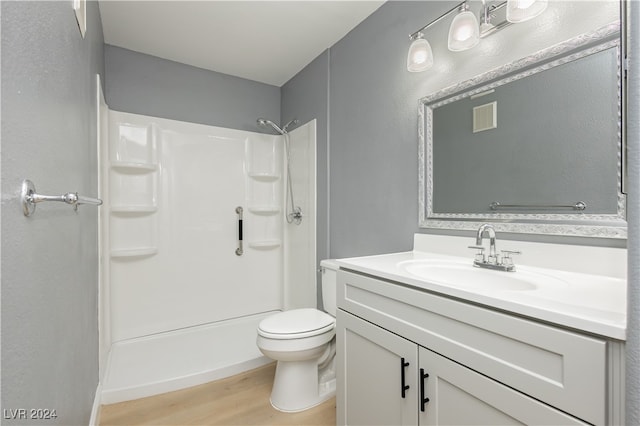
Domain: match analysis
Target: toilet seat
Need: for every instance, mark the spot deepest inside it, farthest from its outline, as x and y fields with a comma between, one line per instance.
x=296, y=324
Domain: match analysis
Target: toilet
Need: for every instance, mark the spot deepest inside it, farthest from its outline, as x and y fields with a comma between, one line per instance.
x=302, y=341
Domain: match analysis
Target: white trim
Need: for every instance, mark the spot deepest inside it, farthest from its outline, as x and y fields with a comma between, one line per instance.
x=95, y=409
x=104, y=336
x=80, y=9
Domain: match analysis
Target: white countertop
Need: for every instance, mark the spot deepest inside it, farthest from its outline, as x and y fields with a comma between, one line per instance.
x=587, y=302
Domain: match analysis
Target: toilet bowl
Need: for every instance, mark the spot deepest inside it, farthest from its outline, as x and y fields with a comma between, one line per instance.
x=302, y=341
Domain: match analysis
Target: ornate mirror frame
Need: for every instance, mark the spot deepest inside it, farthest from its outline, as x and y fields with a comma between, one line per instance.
x=584, y=224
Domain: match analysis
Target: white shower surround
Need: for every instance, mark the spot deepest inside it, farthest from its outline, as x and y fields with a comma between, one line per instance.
x=181, y=307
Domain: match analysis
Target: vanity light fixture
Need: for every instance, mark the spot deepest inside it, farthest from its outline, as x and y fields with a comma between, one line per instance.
x=420, y=57
x=465, y=31
x=523, y=10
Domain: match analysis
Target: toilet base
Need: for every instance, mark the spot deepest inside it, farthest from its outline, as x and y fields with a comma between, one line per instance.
x=296, y=386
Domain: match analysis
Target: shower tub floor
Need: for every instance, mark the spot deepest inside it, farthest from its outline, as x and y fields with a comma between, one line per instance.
x=179, y=359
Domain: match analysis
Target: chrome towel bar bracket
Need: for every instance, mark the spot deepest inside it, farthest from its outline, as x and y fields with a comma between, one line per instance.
x=30, y=198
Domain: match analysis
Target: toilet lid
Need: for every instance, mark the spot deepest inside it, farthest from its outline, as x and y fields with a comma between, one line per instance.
x=296, y=323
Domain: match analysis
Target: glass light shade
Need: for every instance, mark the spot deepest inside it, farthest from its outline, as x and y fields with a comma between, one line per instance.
x=464, y=32
x=523, y=10
x=420, y=56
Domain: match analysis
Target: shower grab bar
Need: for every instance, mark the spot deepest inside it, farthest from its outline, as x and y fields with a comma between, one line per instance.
x=580, y=205
x=239, y=249
x=30, y=198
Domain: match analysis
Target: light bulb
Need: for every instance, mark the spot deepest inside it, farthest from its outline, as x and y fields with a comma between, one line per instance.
x=523, y=10
x=420, y=56
x=464, y=32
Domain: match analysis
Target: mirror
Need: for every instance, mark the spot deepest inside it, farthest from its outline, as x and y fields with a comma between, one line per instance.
x=534, y=146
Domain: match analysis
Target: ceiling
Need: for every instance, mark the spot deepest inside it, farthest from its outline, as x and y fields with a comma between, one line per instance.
x=265, y=41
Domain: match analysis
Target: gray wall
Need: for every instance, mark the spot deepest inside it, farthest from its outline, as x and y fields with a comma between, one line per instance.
x=372, y=125
x=50, y=260
x=373, y=133
x=148, y=85
x=633, y=203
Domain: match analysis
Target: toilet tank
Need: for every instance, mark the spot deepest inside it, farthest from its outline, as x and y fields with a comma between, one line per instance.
x=329, y=278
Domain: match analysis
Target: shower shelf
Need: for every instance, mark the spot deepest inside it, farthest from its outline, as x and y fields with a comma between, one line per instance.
x=264, y=210
x=132, y=167
x=265, y=244
x=141, y=209
x=137, y=252
x=264, y=177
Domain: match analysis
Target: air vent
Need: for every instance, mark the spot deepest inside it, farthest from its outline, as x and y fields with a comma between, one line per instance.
x=485, y=117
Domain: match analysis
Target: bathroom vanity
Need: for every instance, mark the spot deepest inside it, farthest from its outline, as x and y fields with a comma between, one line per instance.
x=536, y=346
x=424, y=337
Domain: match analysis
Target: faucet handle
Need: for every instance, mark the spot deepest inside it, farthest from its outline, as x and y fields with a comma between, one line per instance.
x=480, y=254
x=506, y=256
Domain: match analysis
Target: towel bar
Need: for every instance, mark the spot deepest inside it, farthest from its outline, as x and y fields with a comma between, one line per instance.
x=580, y=205
x=30, y=198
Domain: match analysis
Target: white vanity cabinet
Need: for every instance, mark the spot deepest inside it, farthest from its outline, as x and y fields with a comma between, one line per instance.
x=483, y=366
x=375, y=362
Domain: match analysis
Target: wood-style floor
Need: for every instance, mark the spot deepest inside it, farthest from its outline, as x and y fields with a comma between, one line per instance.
x=237, y=400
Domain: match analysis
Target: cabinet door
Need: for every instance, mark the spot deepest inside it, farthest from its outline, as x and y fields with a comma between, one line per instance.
x=371, y=365
x=460, y=396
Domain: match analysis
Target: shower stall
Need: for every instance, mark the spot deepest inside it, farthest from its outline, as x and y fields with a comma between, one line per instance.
x=197, y=248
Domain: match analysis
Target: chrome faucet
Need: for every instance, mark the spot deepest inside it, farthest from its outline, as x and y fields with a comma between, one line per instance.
x=494, y=261
x=492, y=239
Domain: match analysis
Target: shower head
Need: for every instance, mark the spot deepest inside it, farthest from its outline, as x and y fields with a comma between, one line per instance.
x=293, y=122
x=263, y=122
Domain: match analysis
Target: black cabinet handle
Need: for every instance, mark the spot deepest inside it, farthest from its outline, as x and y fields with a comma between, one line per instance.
x=423, y=399
x=403, y=365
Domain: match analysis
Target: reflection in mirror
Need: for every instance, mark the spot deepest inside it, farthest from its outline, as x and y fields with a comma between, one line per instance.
x=532, y=147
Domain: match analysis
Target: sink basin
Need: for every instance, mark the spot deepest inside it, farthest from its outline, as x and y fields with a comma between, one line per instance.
x=466, y=276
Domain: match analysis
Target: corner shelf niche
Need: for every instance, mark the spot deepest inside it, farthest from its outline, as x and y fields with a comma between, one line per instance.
x=264, y=177
x=133, y=167
x=132, y=210
x=134, y=252
x=264, y=193
x=265, y=244
x=132, y=175
x=264, y=210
